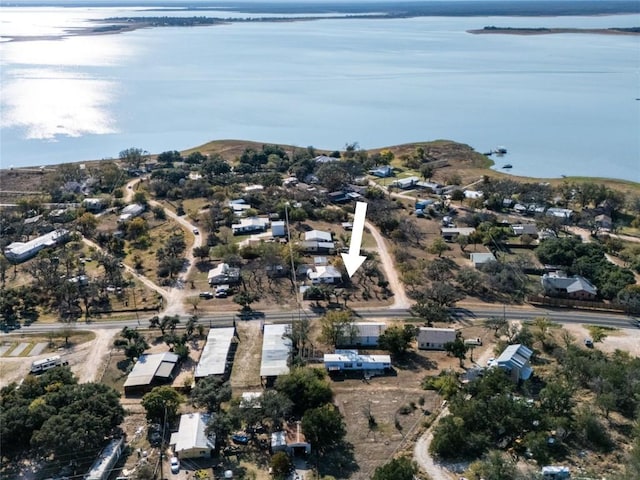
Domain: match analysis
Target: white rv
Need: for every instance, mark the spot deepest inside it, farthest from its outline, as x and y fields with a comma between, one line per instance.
x=45, y=364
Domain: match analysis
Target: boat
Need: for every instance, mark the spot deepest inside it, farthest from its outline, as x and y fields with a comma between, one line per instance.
x=501, y=150
x=507, y=165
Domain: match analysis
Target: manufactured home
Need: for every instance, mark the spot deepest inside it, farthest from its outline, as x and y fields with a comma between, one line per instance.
x=350, y=360
x=45, y=364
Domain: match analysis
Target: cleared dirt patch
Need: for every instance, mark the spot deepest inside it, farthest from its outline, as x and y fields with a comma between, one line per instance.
x=246, y=363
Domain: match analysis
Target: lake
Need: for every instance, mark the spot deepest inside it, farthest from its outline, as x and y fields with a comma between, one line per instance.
x=561, y=104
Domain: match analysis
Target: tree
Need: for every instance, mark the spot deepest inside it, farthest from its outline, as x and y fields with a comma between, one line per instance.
x=280, y=465
x=457, y=195
x=161, y=401
x=597, y=333
x=457, y=348
x=306, y=387
x=334, y=326
x=275, y=406
x=397, y=339
x=401, y=468
x=133, y=157
x=245, y=299
x=494, y=466
x=426, y=171
x=87, y=224
x=542, y=326
x=132, y=342
x=438, y=247
x=210, y=392
x=497, y=324
x=323, y=427
x=201, y=252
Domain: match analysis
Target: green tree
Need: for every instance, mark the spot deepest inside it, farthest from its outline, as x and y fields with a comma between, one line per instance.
x=334, y=326
x=280, y=465
x=497, y=324
x=161, y=401
x=132, y=342
x=401, y=468
x=457, y=348
x=87, y=224
x=245, y=299
x=494, y=466
x=438, y=247
x=397, y=340
x=133, y=157
x=323, y=427
x=597, y=333
x=306, y=387
x=210, y=392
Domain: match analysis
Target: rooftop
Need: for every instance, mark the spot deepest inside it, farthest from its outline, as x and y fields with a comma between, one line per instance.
x=213, y=360
x=150, y=365
x=191, y=433
x=275, y=350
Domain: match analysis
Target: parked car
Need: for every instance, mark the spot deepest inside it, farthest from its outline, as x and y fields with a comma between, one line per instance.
x=196, y=231
x=175, y=464
x=588, y=343
x=240, y=439
x=206, y=295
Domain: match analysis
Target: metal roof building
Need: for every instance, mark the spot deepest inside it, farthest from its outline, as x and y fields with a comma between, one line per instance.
x=275, y=350
x=515, y=360
x=103, y=465
x=150, y=370
x=191, y=440
x=213, y=360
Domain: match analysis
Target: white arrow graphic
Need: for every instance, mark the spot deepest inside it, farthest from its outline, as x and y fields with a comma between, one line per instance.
x=353, y=259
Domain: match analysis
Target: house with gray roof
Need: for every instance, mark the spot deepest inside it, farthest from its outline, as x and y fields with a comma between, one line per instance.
x=514, y=360
x=558, y=284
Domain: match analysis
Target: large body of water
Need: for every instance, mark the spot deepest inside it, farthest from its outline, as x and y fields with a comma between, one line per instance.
x=562, y=104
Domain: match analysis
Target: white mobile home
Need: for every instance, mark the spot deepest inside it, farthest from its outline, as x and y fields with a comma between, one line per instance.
x=18, y=252
x=45, y=364
x=361, y=334
x=131, y=211
x=103, y=466
x=435, y=338
x=349, y=360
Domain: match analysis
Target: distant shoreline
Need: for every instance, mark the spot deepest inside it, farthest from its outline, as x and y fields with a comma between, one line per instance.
x=552, y=31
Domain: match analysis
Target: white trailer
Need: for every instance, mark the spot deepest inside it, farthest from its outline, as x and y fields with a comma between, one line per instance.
x=45, y=364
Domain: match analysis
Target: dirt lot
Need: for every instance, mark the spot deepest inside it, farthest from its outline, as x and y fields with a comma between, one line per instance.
x=245, y=373
x=87, y=355
x=627, y=339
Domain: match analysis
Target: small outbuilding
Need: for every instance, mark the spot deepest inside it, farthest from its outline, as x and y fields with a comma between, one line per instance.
x=290, y=440
x=480, y=258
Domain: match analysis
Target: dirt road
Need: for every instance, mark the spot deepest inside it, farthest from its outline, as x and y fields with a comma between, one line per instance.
x=400, y=299
x=426, y=461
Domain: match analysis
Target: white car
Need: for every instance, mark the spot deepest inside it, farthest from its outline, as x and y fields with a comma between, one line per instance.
x=175, y=464
x=196, y=231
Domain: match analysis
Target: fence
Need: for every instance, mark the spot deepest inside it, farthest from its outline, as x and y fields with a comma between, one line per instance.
x=571, y=303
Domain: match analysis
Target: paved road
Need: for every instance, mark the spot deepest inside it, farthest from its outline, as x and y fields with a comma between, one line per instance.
x=463, y=315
